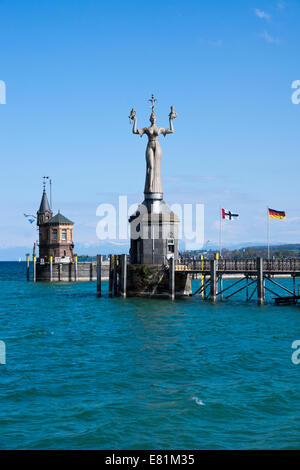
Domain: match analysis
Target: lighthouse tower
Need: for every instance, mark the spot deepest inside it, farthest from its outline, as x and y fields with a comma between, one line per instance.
x=55, y=233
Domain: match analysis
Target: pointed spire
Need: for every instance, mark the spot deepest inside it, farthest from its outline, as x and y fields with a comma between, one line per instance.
x=44, y=206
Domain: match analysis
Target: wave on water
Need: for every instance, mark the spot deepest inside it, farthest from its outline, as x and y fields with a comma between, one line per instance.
x=198, y=402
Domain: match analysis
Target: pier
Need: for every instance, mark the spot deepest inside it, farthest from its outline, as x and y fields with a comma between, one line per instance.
x=73, y=271
x=253, y=276
x=258, y=274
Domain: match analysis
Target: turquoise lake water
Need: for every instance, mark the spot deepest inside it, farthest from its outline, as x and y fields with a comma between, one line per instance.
x=88, y=373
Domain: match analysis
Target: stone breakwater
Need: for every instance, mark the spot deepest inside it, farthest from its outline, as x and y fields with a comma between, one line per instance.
x=86, y=271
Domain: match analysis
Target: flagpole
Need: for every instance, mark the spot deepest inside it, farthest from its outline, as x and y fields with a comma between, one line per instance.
x=268, y=232
x=50, y=194
x=220, y=234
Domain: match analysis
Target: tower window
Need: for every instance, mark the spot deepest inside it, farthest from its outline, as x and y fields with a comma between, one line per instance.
x=54, y=234
x=171, y=245
x=64, y=234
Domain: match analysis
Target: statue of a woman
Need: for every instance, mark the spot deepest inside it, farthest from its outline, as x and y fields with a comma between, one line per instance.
x=153, y=182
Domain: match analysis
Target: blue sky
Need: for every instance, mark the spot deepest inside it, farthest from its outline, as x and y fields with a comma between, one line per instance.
x=74, y=69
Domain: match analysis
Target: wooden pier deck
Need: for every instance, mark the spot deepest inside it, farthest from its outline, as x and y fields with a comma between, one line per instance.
x=247, y=266
x=258, y=273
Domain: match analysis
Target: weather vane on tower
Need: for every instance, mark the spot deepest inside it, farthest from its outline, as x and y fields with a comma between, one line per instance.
x=44, y=182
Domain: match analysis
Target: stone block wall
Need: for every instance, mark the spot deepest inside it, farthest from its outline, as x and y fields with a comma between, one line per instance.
x=65, y=272
x=153, y=281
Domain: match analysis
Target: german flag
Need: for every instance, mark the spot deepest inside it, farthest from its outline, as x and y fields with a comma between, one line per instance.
x=276, y=214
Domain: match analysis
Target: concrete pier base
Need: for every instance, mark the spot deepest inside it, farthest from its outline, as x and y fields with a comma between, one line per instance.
x=154, y=281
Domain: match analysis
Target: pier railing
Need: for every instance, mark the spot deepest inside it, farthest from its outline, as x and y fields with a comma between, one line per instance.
x=274, y=266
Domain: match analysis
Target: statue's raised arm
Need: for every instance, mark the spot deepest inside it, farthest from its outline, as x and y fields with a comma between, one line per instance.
x=172, y=116
x=132, y=117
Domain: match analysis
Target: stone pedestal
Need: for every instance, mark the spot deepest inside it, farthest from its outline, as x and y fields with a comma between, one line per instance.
x=153, y=281
x=154, y=232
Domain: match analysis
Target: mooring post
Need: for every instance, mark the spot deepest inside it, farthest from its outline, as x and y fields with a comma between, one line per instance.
x=51, y=268
x=115, y=275
x=260, y=281
x=110, y=274
x=213, y=280
x=217, y=257
x=76, y=268
x=27, y=267
x=123, y=280
x=172, y=278
x=294, y=284
x=99, y=259
x=202, y=265
x=34, y=268
x=70, y=271
x=221, y=286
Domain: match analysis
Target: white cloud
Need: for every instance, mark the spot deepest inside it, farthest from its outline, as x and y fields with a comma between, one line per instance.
x=270, y=39
x=262, y=14
x=281, y=5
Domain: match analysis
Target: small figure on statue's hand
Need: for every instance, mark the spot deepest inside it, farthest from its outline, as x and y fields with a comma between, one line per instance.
x=172, y=114
x=132, y=114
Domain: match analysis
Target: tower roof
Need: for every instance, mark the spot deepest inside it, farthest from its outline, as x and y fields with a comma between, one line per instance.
x=44, y=206
x=59, y=219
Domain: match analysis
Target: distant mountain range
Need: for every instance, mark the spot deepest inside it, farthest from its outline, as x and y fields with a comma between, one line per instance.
x=256, y=246
x=284, y=250
x=15, y=253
